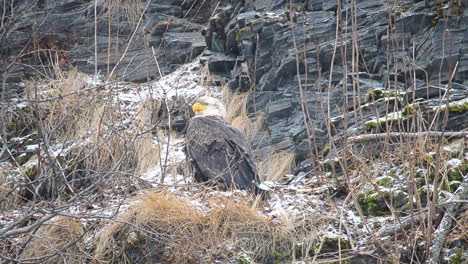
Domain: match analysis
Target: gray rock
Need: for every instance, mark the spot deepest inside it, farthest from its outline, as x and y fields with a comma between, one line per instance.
x=170, y=10
x=183, y=47
x=219, y=63
x=279, y=110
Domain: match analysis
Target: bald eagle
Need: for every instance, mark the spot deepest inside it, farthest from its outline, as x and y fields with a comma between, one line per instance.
x=219, y=152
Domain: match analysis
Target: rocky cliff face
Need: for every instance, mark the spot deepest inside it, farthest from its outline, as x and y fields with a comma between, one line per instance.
x=303, y=62
x=94, y=36
x=333, y=86
x=358, y=65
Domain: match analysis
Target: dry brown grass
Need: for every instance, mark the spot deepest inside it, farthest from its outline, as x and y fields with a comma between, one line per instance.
x=130, y=9
x=239, y=225
x=147, y=114
x=73, y=110
x=235, y=104
x=60, y=237
x=63, y=104
x=148, y=153
x=276, y=166
x=154, y=227
x=9, y=198
x=460, y=229
x=247, y=126
x=165, y=229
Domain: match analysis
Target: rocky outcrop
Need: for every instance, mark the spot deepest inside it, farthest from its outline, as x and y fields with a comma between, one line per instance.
x=316, y=72
x=296, y=61
x=292, y=56
x=122, y=38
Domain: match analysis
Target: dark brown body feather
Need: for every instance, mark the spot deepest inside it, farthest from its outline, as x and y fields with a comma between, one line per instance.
x=219, y=153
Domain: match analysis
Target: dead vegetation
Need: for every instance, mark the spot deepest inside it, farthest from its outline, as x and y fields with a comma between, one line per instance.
x=163, y=228
x=57, y=241
x=9, y=196
x=276, y=165
x=129, y=9
x=90, y=131
x=235, y=103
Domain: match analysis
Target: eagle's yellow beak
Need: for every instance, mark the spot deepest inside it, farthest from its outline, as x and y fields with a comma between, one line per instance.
x=198, y=107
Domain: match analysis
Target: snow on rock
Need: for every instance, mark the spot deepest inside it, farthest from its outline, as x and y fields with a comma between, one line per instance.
x=182, y=83
x=454, y=163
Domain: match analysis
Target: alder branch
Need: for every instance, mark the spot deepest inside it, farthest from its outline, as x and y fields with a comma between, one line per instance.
x=393, y=135
x=452, y=210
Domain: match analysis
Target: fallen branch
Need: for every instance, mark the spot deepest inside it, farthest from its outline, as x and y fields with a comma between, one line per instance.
x=452, y=210
x=392, y=135
x=404, y=224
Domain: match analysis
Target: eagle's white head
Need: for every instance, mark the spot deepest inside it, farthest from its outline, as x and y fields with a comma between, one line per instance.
x=209, y=106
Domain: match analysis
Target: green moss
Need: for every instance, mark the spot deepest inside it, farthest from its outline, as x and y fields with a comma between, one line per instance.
x=372, y=205
x=393, y=173
x=326, y=149
x=371, y=125
x=330, y=244
x=389, y=98
x=458, y=107
x=279, y=257
x=456, y=256
x=430, y=157
x=391, y=118
x=336, y=119
x=239, y=33
x=457, y=174
x=330, y=164
x=374, y=94
x=422, y=191
x=243, y=260
x=408, y=110
x=386, y=181
x=23, y=158
x=453, y=186
x=298, y=250
x=31, y=168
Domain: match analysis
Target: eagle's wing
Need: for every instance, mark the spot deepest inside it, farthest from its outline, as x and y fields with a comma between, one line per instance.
x=220, y=153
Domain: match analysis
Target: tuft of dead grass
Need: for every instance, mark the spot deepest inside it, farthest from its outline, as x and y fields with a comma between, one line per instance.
x=67, y=106
x=235, y=104
x=239, y=225
x=276, y=166
x=158, y=228
x=236, y=107
x=81, y=120
x=148, y=154
x=163, y=228
x=9, y=197
x=74, y=110
x=57, y=241
x=130, y=9
x=147, y=114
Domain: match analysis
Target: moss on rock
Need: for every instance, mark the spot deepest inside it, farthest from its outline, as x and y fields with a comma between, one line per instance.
x=372, y=205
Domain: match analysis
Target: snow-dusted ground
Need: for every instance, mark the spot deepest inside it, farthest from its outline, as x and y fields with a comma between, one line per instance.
x=301, y=200
x=304, y=199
